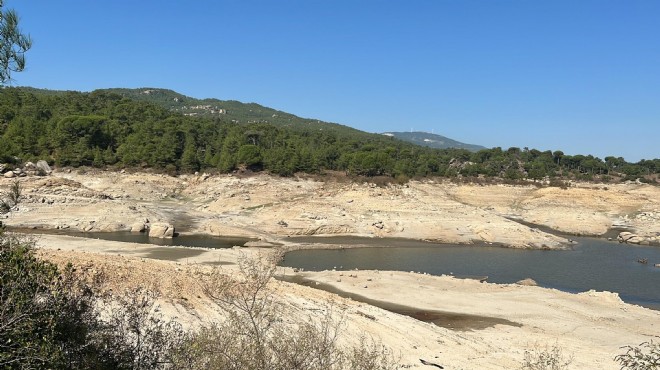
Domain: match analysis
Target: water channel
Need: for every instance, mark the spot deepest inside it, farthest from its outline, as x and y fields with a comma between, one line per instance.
x=182, y=240
x=591, y=264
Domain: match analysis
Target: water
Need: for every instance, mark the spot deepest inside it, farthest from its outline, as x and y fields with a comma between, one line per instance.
x=592, y=264
x=185, y=240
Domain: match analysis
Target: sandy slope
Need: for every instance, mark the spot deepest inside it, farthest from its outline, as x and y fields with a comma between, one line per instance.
x=590, y=326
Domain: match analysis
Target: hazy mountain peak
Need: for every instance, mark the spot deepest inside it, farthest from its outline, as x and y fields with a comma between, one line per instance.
x=432, y=140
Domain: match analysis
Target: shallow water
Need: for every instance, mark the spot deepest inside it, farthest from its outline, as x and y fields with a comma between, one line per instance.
x=591, y=264
x=185, y=240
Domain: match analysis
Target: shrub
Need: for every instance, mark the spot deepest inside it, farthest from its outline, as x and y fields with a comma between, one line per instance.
x=53, y=319
x=545, y=358
x=132, y=333
x=258, y=332
x=646, y=356
x=44, y=313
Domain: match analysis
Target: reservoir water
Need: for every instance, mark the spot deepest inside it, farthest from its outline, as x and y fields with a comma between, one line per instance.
x=183, y=240
x=591, y=264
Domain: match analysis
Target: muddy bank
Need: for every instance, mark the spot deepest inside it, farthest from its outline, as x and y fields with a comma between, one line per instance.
x=591, y=326
x=448, y=320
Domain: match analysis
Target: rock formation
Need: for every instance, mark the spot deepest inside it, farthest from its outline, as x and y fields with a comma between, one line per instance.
x=630, y=238
x=161, y=230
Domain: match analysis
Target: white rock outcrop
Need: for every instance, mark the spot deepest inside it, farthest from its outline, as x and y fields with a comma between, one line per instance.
x=161, y=230
x=42, y=167
x=630, y=238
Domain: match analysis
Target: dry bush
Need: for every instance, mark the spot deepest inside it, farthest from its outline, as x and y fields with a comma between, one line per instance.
x=559, y=183
x=646, y=356
x=258, y=332
x=12, y=197
x=545, y=358
x=133, y=333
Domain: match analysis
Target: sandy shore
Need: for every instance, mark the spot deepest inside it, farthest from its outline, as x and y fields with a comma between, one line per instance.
x=490, y=326
x=590, y=326
x=493, y=325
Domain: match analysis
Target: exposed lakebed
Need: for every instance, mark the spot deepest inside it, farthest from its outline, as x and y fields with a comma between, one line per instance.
x=449, y=320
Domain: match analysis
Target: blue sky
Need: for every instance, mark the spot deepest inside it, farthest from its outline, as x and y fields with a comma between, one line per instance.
x=578, y=76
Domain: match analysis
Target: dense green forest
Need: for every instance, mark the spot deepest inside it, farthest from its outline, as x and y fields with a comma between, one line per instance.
x=128, y=128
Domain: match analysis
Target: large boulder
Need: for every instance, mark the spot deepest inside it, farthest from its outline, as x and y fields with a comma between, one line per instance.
x=138, y=227
x=161, y=230
x=43, y=168
x=9, y=174
x=629, y=238
x=30, y=169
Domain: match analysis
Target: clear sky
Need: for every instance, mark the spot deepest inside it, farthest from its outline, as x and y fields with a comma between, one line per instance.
x=578, y=76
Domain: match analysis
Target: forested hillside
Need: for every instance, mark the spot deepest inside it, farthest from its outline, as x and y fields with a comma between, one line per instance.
x=229, y=110
x=106, y=128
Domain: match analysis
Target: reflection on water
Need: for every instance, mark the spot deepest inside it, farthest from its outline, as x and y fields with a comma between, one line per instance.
x=592, y=264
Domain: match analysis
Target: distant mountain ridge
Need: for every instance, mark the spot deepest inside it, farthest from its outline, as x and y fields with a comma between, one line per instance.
x=239, y=112
x=255, y=113
x=229, y=110
x=433, y=140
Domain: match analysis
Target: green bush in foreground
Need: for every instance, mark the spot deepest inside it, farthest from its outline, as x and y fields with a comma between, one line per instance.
x=49, y=319
x=44, y=313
